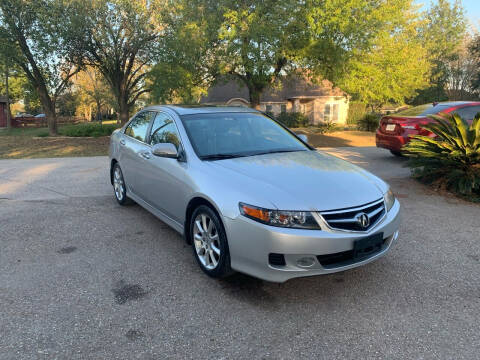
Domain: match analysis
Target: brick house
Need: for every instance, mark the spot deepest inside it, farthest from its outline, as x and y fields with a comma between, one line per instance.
x=3, y=111
x=319, y=102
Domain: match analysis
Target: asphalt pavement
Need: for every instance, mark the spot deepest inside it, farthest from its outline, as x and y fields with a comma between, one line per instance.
x=83, y=278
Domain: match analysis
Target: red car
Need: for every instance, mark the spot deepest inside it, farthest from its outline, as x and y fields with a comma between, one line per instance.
x=395, y=130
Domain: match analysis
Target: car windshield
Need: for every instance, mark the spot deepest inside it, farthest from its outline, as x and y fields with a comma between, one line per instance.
x=423, y=110
x=226, y=135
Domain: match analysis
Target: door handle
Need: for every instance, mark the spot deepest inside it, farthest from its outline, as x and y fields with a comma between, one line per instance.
x=145, y=154
x=122, y=142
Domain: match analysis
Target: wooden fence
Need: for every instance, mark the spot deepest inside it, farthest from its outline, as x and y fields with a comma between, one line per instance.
x=19, y=122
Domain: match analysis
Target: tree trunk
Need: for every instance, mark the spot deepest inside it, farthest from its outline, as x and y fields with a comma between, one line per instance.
x=254, y=98
x=99, y=111
x=9, y=118
x=51, y=120
x=124, y=110
x=48, y=105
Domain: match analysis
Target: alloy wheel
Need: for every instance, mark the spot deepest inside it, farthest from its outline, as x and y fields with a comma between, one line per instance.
x=118, y=184
x=206, y=241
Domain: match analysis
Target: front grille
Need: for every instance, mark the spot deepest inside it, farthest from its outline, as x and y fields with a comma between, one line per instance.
x=347, y=219
x=276, y=259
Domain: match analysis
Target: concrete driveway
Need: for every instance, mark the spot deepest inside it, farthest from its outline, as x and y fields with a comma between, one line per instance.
x=81, y=277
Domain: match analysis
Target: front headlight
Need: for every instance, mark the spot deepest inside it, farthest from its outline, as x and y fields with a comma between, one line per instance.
x=288, y=219
x=389, y=199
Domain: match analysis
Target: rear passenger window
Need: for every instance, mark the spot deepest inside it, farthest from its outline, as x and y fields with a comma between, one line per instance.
x=138, y=126
x=468, y=113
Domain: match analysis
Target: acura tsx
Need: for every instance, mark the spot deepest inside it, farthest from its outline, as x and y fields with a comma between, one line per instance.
x=249, y=195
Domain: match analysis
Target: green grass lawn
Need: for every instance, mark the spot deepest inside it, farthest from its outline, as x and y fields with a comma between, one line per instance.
x=82, y=129
x=87, y=139
x=25, y=132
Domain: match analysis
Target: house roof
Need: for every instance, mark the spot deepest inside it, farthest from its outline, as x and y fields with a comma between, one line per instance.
x=291, y=87
x=3, y=99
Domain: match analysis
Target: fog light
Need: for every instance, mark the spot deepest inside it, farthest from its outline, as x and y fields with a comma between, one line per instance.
x=306, y=262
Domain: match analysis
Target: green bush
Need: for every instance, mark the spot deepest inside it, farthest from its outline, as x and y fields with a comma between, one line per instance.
x=356, y=111
x=43, y=134
x=452, y=158
x=87, y=129
x=327, y=127
x=293, y=119
x=369, y=122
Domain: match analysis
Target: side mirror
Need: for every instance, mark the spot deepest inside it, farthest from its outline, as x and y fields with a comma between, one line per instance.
x=166, y=150
x=303, y=137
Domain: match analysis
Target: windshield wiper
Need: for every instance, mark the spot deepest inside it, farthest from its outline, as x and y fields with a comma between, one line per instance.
x=220, y=156
x=277, y=151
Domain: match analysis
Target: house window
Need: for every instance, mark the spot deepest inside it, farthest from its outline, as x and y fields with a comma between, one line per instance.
x=268, y=108
x=283, y=108
x=331, y=113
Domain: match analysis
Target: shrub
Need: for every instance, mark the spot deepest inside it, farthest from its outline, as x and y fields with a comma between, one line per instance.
x=293, y=119
x=327, y=127
x=356, y=111
x=452, y=158
x=369, y=122
x=87, y=129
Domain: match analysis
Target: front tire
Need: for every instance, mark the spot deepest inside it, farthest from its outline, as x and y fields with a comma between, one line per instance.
x=119, y=186
x=209, y=242
x=396, y=153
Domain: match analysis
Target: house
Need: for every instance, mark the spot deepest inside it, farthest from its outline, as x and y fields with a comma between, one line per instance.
x=319, y=102
x=3, y=111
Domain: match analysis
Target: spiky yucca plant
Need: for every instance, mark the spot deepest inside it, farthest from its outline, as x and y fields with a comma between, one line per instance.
x=452, y=158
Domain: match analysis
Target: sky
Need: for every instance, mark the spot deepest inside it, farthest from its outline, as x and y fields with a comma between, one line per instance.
x=472, y=9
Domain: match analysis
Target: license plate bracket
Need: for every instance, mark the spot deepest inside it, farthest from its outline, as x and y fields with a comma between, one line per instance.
x=390, y=127
x=366, y=247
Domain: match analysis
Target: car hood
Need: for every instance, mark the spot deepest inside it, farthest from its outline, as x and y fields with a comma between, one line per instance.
x=303, y=180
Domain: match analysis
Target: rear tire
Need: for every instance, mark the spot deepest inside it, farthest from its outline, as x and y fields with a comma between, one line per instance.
x=209, y=242
x=396, y=153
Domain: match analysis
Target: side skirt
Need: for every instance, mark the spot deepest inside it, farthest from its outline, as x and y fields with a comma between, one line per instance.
x=167, y=220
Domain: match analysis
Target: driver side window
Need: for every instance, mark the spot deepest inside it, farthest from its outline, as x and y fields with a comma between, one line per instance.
x=164, y=130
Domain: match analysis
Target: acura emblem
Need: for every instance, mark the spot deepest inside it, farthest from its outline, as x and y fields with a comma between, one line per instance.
x=362, y=220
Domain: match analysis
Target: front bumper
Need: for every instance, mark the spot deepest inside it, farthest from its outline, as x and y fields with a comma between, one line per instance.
x=250, y=244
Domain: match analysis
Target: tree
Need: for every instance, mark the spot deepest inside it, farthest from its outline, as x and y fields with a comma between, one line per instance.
x=39, y=37
x=5, y=69
x=474, y=53
x=461, y=72
x=259, y=42
x=251, y=41
x=93, y=92
x=394, y=67
x=341, y=31
x=442, y=36
x=173, y=83
x=120, y=41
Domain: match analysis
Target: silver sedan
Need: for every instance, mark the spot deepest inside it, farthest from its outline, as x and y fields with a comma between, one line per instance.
x=249, y=195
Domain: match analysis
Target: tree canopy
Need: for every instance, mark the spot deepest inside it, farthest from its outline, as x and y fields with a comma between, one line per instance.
x=394, y=67
x=442, y=35
x=172, y=51
x=353, y=43
x=120, y=40
x=39, y=36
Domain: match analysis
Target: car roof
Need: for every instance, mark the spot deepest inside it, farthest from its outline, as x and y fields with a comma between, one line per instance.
x=457, y=103
x=202, y=109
